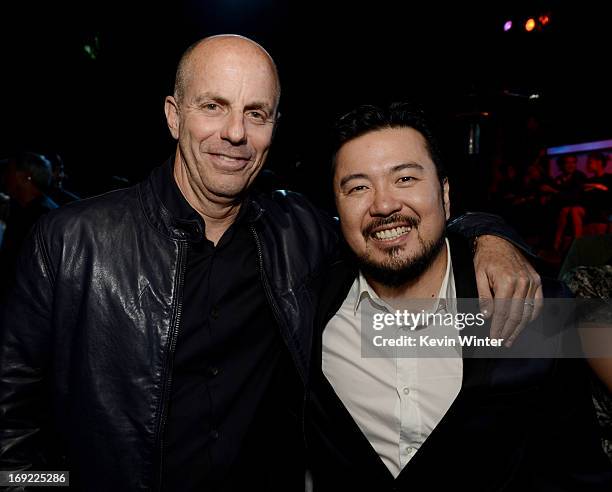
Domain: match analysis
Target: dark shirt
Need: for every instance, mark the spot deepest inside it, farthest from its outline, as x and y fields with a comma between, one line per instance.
x=228, y=363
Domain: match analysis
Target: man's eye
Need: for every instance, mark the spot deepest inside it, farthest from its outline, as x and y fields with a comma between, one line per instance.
x=358, y=188
x=406, y=179
x=257, y=116
x=211, y=107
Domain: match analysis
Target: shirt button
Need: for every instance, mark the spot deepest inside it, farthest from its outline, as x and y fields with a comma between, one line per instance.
x=214, y=434
x=214, y=312
x=406, y=390
x=410, y=450
x=213, y=371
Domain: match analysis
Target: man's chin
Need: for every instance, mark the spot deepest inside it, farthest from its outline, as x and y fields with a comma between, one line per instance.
x=395, y=271
x=229, y=188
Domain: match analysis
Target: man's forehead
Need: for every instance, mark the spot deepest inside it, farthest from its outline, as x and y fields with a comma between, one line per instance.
x=231, y=77
x=386, y=150
x=389, y=141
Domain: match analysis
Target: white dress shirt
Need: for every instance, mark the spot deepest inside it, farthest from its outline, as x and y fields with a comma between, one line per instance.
x=395, y=401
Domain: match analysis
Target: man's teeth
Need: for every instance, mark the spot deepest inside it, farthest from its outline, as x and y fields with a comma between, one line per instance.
x=392, y=233
x=230, y=159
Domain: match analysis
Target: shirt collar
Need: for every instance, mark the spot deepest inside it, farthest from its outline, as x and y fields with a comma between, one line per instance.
x=178, y=206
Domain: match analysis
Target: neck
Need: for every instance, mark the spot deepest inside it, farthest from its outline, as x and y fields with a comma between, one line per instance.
x=218, y=214
x=426, y=286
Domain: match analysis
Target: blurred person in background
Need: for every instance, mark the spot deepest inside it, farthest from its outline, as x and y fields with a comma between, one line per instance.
x=567, y=188
x=57, y=191
x=25, y=179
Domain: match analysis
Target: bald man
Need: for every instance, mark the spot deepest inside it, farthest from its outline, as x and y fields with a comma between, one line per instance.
x=158, y=337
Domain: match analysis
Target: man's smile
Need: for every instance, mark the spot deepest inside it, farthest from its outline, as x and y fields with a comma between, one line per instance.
x=390, y=233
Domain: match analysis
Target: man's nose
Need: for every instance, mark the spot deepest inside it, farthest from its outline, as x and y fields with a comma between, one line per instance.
x=233, y=129
x=384, y=204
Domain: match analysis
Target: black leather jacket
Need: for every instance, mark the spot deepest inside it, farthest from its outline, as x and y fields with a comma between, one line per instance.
x=88, y=335
x=93, y=325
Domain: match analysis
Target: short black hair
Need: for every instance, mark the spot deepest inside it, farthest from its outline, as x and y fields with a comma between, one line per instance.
x=369, y=117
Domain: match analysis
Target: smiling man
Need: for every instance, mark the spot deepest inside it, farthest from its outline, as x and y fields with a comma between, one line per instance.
x=223, y=114
x=159, y=337
x=390, y=420
x=394, y=205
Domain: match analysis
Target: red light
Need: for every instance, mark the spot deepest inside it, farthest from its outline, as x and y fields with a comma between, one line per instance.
x=544, y=19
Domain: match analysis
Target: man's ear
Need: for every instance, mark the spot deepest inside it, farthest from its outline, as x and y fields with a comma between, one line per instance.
x=446, y=197
x=172, y=116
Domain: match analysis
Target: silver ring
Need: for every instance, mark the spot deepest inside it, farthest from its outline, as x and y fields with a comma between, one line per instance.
x=530, y=303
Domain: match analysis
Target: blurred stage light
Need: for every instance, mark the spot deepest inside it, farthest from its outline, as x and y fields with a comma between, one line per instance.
x=507, y=25
x=544, y=19
x=583, y=147
x=530, y=24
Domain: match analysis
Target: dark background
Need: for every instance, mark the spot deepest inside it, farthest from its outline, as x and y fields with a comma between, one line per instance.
x=104, y=113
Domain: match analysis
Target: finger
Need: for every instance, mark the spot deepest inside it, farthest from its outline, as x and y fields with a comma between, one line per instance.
x=535, y=291
x=528, y=306
x=527, y=310
x=538, y=299
x=500, y=315
x=485, y=296
x=501, y=309
x=519, y=302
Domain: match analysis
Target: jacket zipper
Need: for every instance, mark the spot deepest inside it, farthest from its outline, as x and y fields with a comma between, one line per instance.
x=279, y=320
x=268, y=292
x=167, y=378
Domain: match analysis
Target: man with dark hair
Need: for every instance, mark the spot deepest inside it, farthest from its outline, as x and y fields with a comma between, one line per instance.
x=389, y=419
x=397, y=115
x=159, y=336
x=369, y=118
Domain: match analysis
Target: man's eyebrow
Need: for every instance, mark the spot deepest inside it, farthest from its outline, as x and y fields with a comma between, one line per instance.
x=407, y=165
x=209, y=96
x=350, y=177
x=394, y=169
x=259, y=105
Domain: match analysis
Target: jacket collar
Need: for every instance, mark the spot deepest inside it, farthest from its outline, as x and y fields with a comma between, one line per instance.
x=172, y=226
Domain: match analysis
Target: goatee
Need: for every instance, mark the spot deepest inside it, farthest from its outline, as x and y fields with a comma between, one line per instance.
x=395, y=272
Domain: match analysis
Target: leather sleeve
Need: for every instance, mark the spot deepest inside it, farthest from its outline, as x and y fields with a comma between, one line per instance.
x=25, y=357
x=474, y=224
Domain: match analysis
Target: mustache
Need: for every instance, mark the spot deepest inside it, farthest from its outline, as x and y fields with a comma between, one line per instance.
x=395, y=219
